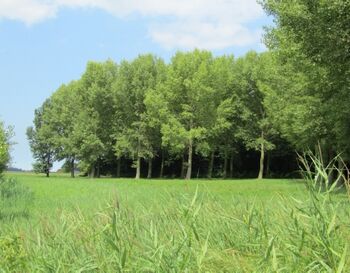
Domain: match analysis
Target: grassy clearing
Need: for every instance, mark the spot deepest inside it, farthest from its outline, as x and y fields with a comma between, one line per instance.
x=60, y=192
x=110, y=225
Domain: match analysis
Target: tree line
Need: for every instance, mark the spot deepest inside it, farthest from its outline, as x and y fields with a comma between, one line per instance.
x=212, y=112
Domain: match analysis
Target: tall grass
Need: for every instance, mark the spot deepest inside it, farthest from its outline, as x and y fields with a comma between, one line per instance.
x=15, y=199
x=199, y=233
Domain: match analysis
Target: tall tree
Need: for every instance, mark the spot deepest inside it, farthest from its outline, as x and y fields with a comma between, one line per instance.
x=136, y=135
x=187, y=100
x=220, y=134
x=291, y=101
x=41, y=140
x=313, y=37
x=63, y=112
x=93, y=127
x=257, y=129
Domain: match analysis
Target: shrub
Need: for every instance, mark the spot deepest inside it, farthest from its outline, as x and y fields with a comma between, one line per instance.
x=4, y=147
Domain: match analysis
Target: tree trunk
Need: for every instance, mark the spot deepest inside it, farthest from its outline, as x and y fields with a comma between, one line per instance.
x=162, y=165
x=119, y=161
x=211, y=165
x=92, y=171
x=138, y=168
x=98, y=170
x=189, y=162
x=149, y=174
x=138, y=162
x=224, y=174
x=72, y=169
x=268, y=160
x=48, y=166
x=231, y=164
x=182, y=175
x=262, y=158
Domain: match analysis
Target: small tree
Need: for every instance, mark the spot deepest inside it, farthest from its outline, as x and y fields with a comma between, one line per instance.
x=4, y=147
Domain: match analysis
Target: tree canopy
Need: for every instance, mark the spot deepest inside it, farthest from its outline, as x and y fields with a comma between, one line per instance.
x=311, y=44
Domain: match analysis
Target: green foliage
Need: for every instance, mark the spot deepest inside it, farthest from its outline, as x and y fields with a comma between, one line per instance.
x=4, y=147
x=318, y=29
x=135, y=131
x=63, y=113
x=311, y=42
x=92, y=126
x=185, y=103
x=41, y=140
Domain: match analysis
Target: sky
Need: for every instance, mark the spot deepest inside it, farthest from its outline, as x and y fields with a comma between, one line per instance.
x=45, y=43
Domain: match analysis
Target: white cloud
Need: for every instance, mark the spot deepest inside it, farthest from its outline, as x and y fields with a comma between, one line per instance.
x=28, y=11
x=211, y=24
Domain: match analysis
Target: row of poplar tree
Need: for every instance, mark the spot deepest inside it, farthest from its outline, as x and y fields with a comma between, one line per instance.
x=293, y=97
x=145, y=108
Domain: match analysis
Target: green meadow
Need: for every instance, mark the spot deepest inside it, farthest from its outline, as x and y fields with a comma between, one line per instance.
x=91, y=195
x=175, y=89
x=59, y=224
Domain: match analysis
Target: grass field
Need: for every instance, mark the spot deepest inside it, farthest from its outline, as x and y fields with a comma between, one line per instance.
x=123, y=225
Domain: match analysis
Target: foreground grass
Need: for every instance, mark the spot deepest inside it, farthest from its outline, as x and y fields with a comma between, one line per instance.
x=118, y=225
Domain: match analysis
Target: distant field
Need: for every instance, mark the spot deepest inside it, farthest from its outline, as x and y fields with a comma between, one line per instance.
x=124, y=225
x=62, y=192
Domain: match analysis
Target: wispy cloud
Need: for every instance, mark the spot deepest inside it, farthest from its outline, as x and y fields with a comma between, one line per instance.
x=211, y=24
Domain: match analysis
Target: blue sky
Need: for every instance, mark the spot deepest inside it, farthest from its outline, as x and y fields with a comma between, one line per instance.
x=44, y=43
